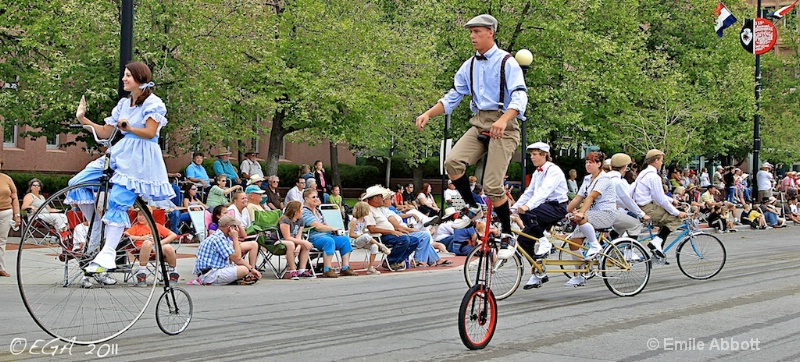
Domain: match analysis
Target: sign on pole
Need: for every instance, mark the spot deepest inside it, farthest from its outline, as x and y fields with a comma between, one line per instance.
x=758, y=36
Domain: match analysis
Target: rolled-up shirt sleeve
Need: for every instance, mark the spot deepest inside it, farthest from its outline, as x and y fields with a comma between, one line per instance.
x=516, y=86
x=460, y=89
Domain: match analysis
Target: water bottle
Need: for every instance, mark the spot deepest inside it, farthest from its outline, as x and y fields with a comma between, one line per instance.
x=14, y=225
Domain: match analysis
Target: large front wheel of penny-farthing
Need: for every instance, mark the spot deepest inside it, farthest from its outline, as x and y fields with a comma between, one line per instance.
x=477, y=317
x=61, y=299
x=506, y=273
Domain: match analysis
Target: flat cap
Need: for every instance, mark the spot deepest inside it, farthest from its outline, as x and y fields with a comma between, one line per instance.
x=653, y=153
x=539, y=146
x=620, y=159
x=483, y=20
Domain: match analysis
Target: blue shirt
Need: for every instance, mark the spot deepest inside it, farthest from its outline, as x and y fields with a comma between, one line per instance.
x=214, y=252
x=308, y=219
x=197, y=171
x=226, y=168
x=486, y=80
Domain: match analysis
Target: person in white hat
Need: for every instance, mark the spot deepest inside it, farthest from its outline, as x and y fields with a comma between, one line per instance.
x=496, y=106
x=764, y=181
x=544, y=201
x=624, y=222
x=378, y=224
x=223, y=165
x=648, y=193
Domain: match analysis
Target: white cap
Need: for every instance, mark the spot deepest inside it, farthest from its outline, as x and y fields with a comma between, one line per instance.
x=539, y=146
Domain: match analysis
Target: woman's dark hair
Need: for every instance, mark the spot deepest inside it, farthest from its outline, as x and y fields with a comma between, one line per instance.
x=186, y=189
x=218, y=210
x=141, y=74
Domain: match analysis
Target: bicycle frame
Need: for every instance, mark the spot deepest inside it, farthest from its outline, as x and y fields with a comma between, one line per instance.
x=687, y=226
x=538, y=265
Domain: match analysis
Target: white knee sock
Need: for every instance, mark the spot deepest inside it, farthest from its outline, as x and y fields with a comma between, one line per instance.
x=588, y=232
x=107, y=257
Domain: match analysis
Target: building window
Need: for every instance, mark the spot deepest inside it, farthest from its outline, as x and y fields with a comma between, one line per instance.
x=283, y=148
x=10, y=136
x=53, y=142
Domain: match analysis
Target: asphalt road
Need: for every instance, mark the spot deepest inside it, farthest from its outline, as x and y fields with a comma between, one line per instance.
x=748, y=312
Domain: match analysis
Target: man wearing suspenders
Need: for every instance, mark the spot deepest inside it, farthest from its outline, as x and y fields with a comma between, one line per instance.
x=648, y=194
x=496, y=84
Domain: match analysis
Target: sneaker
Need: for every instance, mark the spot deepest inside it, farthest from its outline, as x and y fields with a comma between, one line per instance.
x=293, y=275
x=535, y=282
x=372, y=271
x=173, y=277
x=544, y=247
x=462, y=223
x=384, y=249
x=105, y=279
x=507, y=246
x=94, y=268
x=594, y=249
x=141, y=280
x=348, y=273
x=330, y=274
x=433, y=221
x=307, y=274
x=86, y=283
x=657, y=246
x=577, y=281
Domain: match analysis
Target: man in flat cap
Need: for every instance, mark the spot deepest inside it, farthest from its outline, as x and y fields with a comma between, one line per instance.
x=648, y=193
x=496, y=85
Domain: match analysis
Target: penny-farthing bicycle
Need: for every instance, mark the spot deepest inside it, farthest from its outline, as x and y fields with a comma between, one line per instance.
x=74, y=306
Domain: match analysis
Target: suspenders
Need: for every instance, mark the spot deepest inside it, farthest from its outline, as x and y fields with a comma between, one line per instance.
x=502, y=80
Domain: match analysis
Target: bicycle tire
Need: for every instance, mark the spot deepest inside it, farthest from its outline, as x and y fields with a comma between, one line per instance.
x=49, y=280
x=174, y=311
x=625, y=267
x=703, y=258
x=506, y=274
x=477, y=317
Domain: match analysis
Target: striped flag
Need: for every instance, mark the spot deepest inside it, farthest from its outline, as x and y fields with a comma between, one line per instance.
x=724, y=19
x=780, y=13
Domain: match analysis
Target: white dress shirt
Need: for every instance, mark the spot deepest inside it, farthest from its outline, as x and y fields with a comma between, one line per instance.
x=547, y=184
x=624, y=200
x=648, y=188
x=294, y=194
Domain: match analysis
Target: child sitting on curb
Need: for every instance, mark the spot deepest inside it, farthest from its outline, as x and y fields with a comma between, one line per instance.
x=363, y=239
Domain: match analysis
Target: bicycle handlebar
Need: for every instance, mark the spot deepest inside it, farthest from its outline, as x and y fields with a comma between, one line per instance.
x=103, y=141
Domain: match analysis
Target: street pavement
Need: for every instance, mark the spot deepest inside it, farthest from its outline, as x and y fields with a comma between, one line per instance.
x=747, y=312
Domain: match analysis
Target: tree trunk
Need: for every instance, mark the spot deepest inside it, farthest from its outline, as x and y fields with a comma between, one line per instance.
x=335, y=165
x=416, y=173
x=275, y=141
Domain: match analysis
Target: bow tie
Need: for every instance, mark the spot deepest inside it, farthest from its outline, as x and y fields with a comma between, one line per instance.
x=539, y=169
x=481, y=57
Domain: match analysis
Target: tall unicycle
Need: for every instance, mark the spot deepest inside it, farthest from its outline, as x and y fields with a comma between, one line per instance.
x=477, y=317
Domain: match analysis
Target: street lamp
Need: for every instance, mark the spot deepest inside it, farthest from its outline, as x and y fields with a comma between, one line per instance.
x=524, y=58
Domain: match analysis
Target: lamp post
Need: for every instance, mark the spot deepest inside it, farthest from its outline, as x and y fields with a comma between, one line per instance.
x=125, y=41
x=756, y=122
x=524, y=58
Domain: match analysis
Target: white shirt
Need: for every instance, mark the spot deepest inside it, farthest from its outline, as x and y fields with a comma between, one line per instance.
x=704, y=181
x=546, y=185
x=623, y=190
x=648, y=188
x=603, y=185
x=79, y=236
x=764, y=179
x=450, y=194
x=243, y=217
x=444, y=230
x=377, y=218
x=252, y=168
x=294, y=194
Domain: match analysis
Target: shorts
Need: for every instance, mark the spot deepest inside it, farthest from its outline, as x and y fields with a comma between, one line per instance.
x=222, y=276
